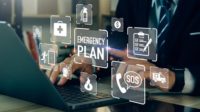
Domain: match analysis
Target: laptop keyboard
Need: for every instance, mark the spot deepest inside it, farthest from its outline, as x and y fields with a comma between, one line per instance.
x=72, y=94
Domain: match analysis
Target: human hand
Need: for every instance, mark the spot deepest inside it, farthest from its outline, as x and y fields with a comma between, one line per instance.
x=123, y=55
x=71, y=68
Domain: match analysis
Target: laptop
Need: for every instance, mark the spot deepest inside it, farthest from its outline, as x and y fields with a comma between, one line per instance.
x=20, y=77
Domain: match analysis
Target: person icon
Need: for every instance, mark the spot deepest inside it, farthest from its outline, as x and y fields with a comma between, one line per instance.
x=44, y=55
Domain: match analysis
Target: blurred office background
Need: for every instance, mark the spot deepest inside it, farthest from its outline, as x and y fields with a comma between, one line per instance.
x=24, y=14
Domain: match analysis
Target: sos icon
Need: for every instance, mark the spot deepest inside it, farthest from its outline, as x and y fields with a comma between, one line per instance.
x=132, y=79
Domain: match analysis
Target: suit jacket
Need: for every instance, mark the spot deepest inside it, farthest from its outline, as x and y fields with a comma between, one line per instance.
x=182, y=41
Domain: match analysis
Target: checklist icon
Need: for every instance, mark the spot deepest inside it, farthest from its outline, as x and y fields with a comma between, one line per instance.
x=142, y=43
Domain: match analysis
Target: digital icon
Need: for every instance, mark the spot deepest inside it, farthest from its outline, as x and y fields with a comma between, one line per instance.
x=91, y=46
x=88, y=83
x=61, y=29
x=88, y=86
x=44, y=57
x=117, y=24
x=37, y=35
x=142, y=43
x=159, y=77
x=118, y=77
x=147, y=45
x=66, y=70
x=130, y=78
x=37, y=32
x=127, y=82
x=48, y=56
x=84, y=14
x=51, y=57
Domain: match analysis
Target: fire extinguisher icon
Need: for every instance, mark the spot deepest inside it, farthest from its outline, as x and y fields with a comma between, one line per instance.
x=84, y=15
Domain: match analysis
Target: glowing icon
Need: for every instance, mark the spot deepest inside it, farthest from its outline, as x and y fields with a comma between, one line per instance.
x=158, y=77
x=66, y=69
x=118, y=77
x=91, y=45
x=142, y=43
x=147, y=45
x=127, y=82
x=60, y=29
x=131, y=78
x=51, y=57
x=84, y=15
x=88, y=86
x=88, y=83
x=117, y=24
x=48, y=56
x=44, y=57
x=37, y=32
x=65, y=72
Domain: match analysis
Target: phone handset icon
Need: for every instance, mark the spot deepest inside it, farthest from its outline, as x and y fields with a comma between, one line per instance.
x=118, y=77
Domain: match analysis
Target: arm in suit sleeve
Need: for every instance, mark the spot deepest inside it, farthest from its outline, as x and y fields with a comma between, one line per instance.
x=190, y=55
x=191, y=47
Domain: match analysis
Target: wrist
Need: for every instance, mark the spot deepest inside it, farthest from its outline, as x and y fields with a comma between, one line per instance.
x=179, y=81
x=172, y=79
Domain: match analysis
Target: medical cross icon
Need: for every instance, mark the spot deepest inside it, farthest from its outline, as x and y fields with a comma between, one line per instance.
x=60, y=29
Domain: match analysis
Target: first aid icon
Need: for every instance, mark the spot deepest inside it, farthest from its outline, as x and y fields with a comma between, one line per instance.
x=60, y=29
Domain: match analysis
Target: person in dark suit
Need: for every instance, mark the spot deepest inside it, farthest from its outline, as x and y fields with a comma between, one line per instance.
x=178, y=27
x=178, y=36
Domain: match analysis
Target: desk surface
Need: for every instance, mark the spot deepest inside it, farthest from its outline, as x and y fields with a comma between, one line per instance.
x=9, y=104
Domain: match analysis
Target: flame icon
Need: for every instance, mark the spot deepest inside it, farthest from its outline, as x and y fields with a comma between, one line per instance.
x=88, y=86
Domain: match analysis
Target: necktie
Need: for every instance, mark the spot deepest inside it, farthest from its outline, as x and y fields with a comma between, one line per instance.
x=164, y=20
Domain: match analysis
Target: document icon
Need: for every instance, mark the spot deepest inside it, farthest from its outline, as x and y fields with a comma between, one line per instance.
x=60, y=29
x=142, y=43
